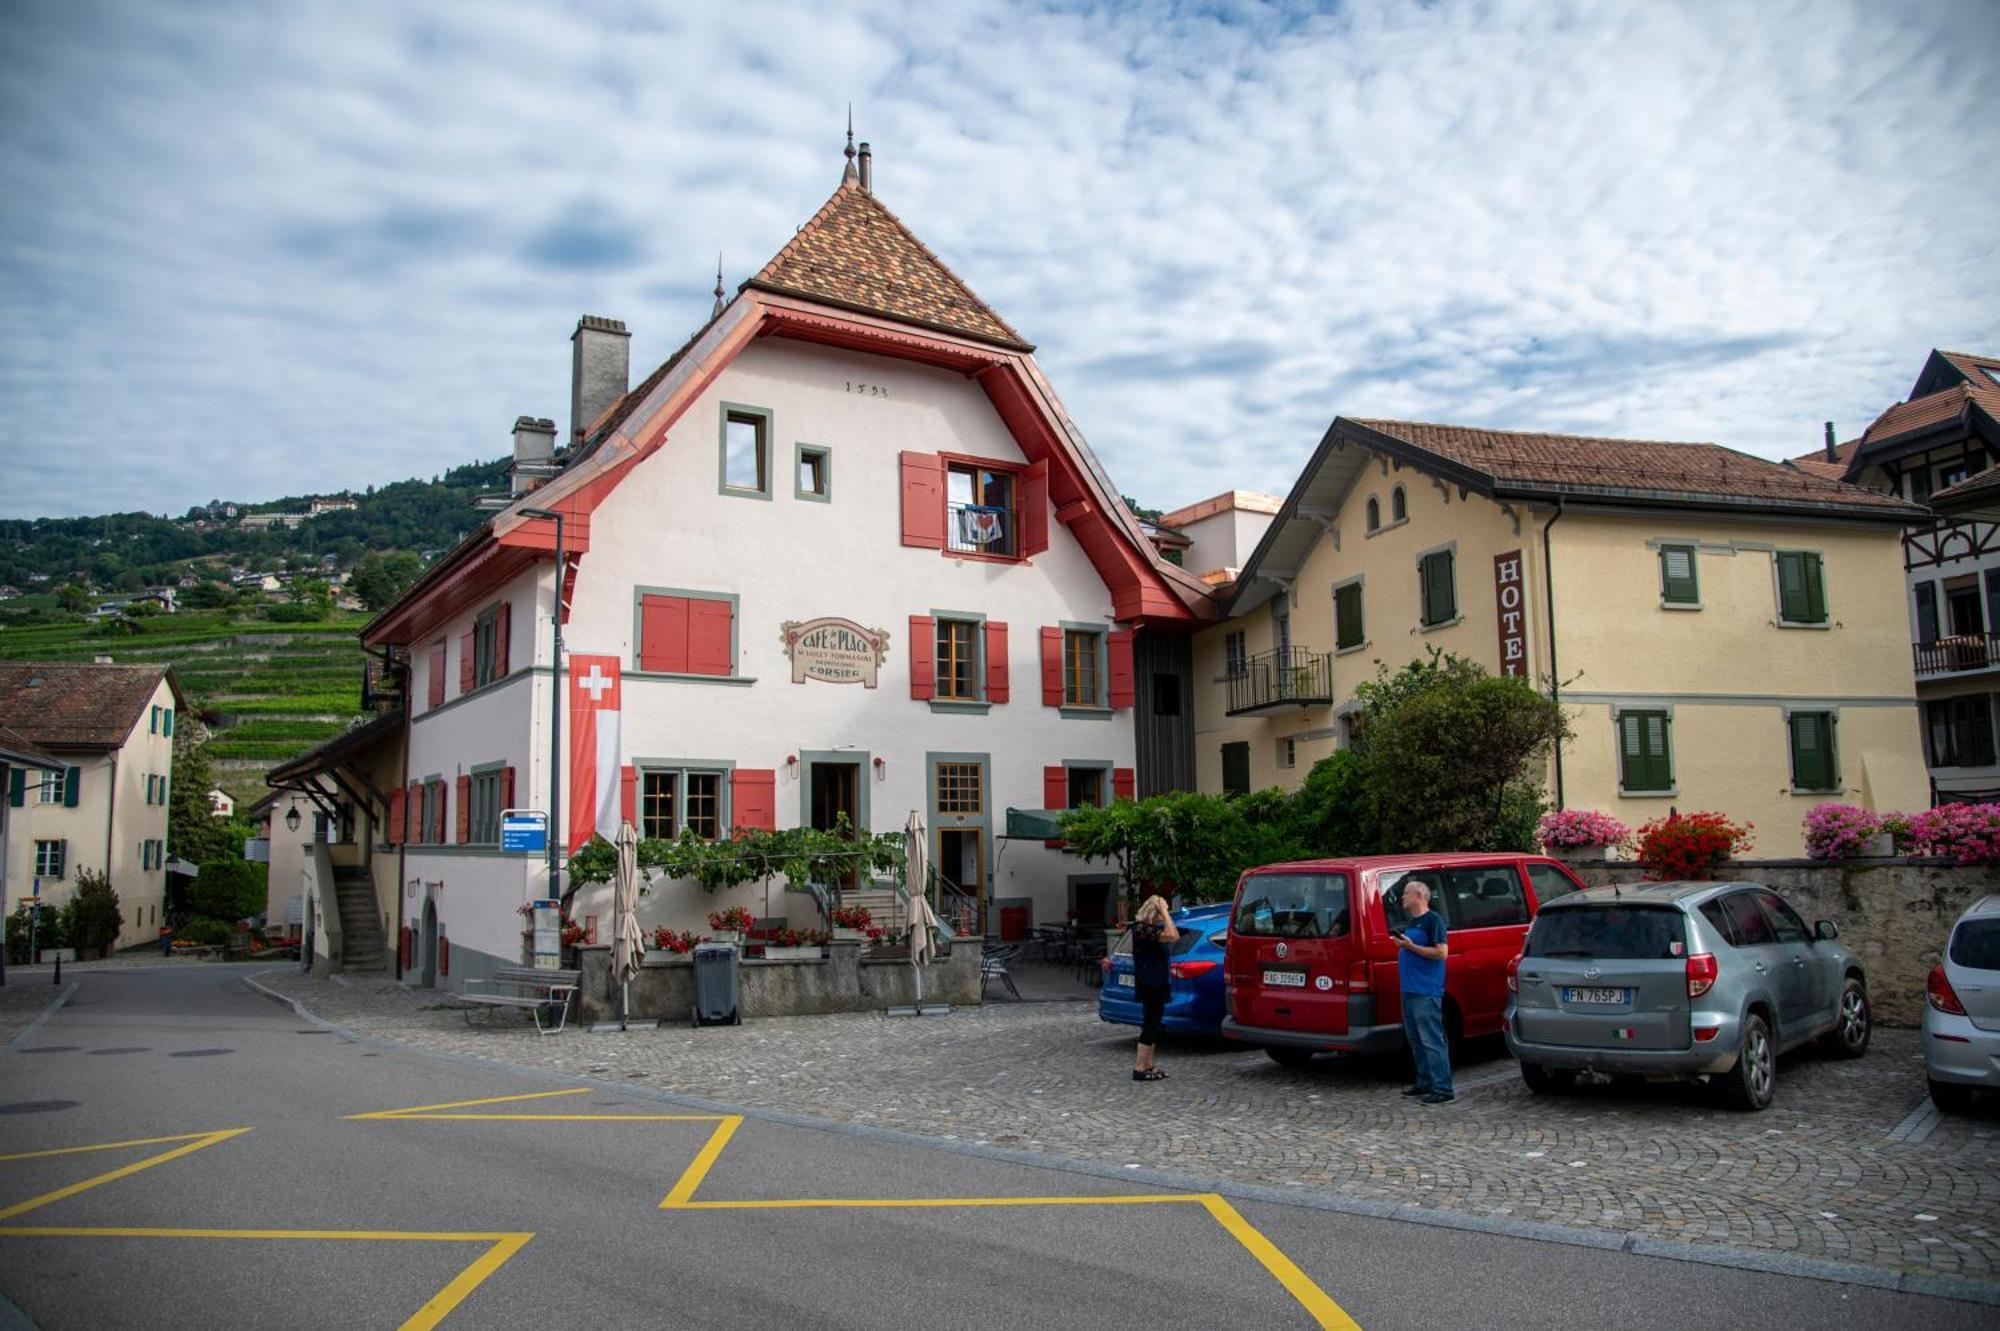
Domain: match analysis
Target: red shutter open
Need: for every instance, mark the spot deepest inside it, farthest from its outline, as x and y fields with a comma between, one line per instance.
x=418, y=831
x=754, y=799
x=467, y=654
x=1124, y=783
x=628, y=794
x=923, y=657
x=997, y=688
x=507, y=788
x=923, y=500
x=464, y=794
x=663, y=633
x=1122, y=691
x=710, y=637
x=437, y=674
x=1055, y=794
x=1035, y=509
x=398, y=813
x=1052, y=666
x=501, y=627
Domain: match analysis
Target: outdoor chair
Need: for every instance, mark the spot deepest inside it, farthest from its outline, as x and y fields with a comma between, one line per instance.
x=995, y=963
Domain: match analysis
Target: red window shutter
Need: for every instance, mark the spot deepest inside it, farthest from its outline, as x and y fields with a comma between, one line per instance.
x=923, y=657
x=996, y=662
x=923, y=500
x=1124, y=783
x=1055, y=787
x=464, y=797
x=500, y=631
x=419, y=831
x=709, y=634
x=437, y=674
x=663, y=634
x=507, y=788
x=628, y=794
x=1122, y=690
x=398, y=813
x=466, y=656
x=1052, y=667
x=754, y=799
x=1035, y=509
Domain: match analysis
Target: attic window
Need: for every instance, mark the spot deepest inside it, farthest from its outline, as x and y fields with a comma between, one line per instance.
x=1991, y=372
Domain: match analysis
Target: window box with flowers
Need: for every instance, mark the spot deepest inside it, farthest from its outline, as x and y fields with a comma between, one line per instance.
x=796, y=944
x=851, y=923
x=731, y=925
x=1582, y=836
x=673, y=947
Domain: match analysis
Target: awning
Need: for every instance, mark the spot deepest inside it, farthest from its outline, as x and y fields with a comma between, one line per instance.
x=1034, y=824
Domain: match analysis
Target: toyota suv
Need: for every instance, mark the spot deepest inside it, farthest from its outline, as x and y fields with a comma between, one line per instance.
x=1675, y=981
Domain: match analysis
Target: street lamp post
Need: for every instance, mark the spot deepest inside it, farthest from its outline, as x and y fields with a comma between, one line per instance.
x=556, y=707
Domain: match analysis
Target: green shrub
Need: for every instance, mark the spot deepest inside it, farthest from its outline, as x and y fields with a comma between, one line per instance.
x=52, y=932
x=204, y=932
x=94, y=919
x=230, y=889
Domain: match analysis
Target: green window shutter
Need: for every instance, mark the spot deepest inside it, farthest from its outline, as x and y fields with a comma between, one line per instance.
x=1439, y=595
x=1813, y=765
x=1347, y=616
x=1801, y=587
x=1678, y=585
x=1644, y=759
x=169, y=718
x=17, y=787
x=1814, y=578
x=72, y=784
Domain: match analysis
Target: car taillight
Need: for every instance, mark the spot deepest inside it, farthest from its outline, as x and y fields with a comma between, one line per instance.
x=1357, y=978
x=1514, y=974
x=1104, y=963
x=1702, y=972
x=1940, y=993
x=1187, y=970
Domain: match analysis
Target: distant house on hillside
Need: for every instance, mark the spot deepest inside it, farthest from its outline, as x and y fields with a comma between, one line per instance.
x=266, y=521
x=329, y=504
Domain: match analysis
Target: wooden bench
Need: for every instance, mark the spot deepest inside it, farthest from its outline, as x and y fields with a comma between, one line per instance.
x=546, y=993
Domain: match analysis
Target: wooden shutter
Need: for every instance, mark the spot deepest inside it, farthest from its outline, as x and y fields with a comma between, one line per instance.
x=418, y=831
x=1678, y=585
x=1052, y=667
x=1123, y=690
x=1812, y=751
x=1801, y=588
x=1645, y=751
x=1347, y=615
x=17, y=787
x=437, y=675
x=468, y=652
x=72, y=786
x=398, y=812
x=1055, y=787
x=502, y=625
x=754, y=799
x=1440, y=599
x=1815, y=580
x=507, y=788
x=923, y=500
x=710, y=637
x=997, y=686
x=628, y=794
x=923, y=657
x=464, y=797
x=663, y=634
x=1124, y=783
x=1034, y=514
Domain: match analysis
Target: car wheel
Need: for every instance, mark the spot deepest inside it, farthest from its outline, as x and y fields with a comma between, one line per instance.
x=1290, y=1058
x=1754, y=1080
x=1547, y=1081
x=1951, y=1097
x=1849, y=1036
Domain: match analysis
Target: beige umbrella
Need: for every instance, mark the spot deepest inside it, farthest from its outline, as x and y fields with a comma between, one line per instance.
x=916, y=857
x=923, y=921
x=631, y=948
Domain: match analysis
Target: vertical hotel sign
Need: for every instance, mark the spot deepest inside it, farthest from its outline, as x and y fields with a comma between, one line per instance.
x=1510, y=605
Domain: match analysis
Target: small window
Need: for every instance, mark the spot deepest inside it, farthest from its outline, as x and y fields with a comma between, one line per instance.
x=433, y=813
x=1288, y=753
x=815, y=478
x=485, y=807
x=958, y=672
x=1801, y=588
x=1677, y=576
x=746, y=460
x=1166, y=694
x=1645, y=762
x=1813, y=761
x=1234, y=654
x=53, y=786
x=1374, y=513
x=1236, y=768
x=659, y=805
x=486, y=649
x=1399, y=505
x=1082, y=663
x=49, y=857
x=960, y=789
x=1347, y=630
x=704, y=804
x=1439, y=588
x=1086, y=788
x=980, y=503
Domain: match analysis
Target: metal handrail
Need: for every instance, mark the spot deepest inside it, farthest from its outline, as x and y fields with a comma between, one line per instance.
x=1288, y=676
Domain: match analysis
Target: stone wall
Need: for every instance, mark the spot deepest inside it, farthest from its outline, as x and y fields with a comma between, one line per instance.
x=1893, y=914
x=842, y=981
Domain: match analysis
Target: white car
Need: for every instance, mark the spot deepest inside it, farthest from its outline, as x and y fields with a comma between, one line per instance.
x=1962, y=1016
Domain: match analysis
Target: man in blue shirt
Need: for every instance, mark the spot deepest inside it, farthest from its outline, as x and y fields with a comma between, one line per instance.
x=1423, y=949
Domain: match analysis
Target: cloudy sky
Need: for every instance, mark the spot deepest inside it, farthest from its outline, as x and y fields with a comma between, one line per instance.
x=256, y=249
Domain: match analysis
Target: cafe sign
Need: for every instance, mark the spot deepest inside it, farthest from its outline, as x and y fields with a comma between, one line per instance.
x=836, y=651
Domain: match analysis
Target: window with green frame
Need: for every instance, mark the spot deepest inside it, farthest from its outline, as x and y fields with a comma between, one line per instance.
x=1801, y=588
x=1347, y=616
x=671, y=799
x=1679, y=584
x=958, y=672
x=1645, y=753
x=1815, y=763
x=1439, y=588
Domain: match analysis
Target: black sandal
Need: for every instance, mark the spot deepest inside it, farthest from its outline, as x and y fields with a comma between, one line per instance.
x=1150, y=1074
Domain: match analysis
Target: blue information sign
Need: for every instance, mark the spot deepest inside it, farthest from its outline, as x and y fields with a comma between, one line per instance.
x=524, y=831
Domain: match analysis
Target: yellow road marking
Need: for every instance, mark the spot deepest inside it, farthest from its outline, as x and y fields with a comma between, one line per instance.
x=549, y=1118
x=442, y=1302
x=203, y=1140
x=691, y=1177
x=805, y=1204
x=105, y=1146
x=468, y=1104
x=1296, y=1282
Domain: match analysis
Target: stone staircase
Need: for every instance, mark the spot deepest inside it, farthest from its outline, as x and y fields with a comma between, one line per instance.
x=361, y=927
x=884, y=907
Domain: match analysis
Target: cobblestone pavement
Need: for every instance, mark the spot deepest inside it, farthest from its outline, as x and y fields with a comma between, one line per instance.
x=1817, y=1176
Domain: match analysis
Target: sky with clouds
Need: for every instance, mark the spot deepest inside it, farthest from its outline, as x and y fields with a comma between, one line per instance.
x=252, y=249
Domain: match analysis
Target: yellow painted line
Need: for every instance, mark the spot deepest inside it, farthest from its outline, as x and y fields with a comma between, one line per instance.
x=704, y=1160
x=1297, y=1283
x=206, y=1140
x=804, y=1204
x=448, y=1298
x=468, y=1104
x=106, y=1146
x=550, y=1118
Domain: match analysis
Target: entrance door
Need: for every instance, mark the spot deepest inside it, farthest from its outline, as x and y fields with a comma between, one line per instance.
x=962, y=864
x=836, y=794
x=1092, y=904
x=430, y=945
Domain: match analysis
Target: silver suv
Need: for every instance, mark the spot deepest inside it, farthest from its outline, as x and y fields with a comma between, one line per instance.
x=1962, y=1011
x=1677, y=981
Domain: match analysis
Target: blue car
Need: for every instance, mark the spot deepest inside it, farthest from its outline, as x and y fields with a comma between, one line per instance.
x=1194, y=997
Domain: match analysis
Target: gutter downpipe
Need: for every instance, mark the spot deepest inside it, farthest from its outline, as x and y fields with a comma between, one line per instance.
x=1555, y=676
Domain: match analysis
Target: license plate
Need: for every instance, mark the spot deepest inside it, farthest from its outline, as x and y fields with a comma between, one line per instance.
x=1597, y=995
x=1125, y=982
x=1286, y=979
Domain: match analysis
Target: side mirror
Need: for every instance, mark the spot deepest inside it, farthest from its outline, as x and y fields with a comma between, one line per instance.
x=1826, y=929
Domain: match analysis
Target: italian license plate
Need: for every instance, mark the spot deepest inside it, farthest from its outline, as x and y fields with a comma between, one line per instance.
x=1597, y=995
x=1286, y=979
x=1125, y=982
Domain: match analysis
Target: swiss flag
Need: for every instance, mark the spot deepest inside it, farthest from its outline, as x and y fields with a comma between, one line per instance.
x=595, y=705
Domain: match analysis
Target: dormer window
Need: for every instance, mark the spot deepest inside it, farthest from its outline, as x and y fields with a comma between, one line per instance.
x=980, y=510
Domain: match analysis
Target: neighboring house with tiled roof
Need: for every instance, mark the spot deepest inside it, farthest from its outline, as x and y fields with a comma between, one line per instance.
x=103, y=806
x=1221, y=530
x=1723, y=630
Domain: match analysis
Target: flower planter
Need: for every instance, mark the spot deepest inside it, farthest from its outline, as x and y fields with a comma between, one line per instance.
x=1582, y=854
x=656, y=956
x=733, y=937
x=1879, y=847
x=849, y=935
x=791, y=953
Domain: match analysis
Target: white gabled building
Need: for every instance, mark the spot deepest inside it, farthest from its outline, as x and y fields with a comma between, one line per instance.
x=844, y=553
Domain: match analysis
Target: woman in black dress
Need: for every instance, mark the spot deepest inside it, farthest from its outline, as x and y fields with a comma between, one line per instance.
x=1153, y=933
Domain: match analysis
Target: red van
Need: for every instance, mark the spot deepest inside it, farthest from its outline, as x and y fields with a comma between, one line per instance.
x=1310, y=965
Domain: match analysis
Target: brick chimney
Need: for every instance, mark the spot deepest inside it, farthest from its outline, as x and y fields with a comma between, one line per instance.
x=600, y=370
x=534, y=454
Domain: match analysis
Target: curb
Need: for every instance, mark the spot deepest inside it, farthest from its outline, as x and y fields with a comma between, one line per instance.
x=47, y=1012
x=1958, y=1288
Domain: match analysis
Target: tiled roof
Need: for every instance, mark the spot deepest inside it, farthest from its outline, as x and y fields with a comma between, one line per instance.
x=1631, y=468
x=1918, y=413
x=1243, y=501
x=66, y=705
x=15, y=747
x=1816, y=461
x=1974, y=368
x=1974, y=488
x=856, y=253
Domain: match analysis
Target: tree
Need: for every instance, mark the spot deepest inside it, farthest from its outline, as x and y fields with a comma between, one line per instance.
x=194, y=833
x=230, y=890
x=206, y=596
x=94, y=919
x=1328, y=815
x=72, y=597
x=1187, y=844
x=379, y=579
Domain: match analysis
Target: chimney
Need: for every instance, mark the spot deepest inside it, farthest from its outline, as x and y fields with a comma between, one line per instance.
x=867, y=170
x=1832, y=449
x=600, y=370
x=534, y=454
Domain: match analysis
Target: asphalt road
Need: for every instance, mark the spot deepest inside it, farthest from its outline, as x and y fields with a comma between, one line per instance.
x=305, y=1216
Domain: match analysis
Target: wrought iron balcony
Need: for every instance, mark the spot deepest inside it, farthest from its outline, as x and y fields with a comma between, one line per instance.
x=1964, y=651
x=1293, y=677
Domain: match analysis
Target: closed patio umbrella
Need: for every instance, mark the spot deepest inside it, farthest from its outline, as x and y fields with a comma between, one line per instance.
x=923, y=921
x=630, y=949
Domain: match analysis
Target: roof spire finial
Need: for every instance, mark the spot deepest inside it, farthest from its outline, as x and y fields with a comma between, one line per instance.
x=851, y=175
x=718, y=285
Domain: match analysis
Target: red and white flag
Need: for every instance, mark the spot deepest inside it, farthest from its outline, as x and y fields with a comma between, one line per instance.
x=594, y=710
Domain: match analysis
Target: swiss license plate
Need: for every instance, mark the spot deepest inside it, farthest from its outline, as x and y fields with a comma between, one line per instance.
x=1286, y=979
x=1125, y=982
x=1597, y=995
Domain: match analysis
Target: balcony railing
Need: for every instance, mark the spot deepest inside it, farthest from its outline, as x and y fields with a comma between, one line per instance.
x=1293, y=677
x=981, y=529
x=1965, y=651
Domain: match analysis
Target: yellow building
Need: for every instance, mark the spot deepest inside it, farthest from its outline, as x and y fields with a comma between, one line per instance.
x=1725, y=633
